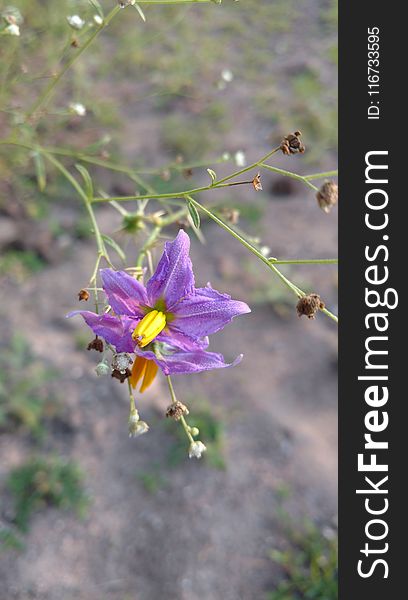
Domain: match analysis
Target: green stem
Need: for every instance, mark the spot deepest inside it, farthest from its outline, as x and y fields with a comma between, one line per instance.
x=251, y=166
x=310, y=261
x=289, y=174
x=131, y=397
x=147, y=245
x=44, y=97
x=297, y=291
x=102, y=253
x=321, y=175
x=182, y=419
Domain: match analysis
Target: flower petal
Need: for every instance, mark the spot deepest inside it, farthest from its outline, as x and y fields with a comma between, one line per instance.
x=205, y=312
x=125, y=293
x=115, y=330
x=180, y=362
x=173, y=278
x=182, y=341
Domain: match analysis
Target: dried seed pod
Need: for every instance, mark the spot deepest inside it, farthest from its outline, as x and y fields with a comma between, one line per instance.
x=121, y=375
x=327, y=196
x=309, y=305
x=292, y=144
x=177, y=410
x=257, y=183
x=96, y=344
x=83, y=295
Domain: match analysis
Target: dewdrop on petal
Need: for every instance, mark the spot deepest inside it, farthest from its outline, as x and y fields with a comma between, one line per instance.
x=196, y=449
x=75, y=22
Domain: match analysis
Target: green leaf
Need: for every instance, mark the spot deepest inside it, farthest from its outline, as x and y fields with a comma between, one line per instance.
x=195, y=217
x=212, y=174
x=139, y=10
x=97, y=6
x=87, y=180
x=108, y=240
x=40, y=171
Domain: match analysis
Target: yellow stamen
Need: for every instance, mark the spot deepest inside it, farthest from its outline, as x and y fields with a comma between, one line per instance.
x=138, y=370
x=150, y=374
x=143, y=369
x=149, y=328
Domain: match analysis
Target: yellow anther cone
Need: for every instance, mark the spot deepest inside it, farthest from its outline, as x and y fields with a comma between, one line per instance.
x=149, y=328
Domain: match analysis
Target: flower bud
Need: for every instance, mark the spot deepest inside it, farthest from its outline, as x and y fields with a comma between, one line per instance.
x=75, y=22
x=102, y=369
x=137, y=427
x=196, y=449
x=194, y=431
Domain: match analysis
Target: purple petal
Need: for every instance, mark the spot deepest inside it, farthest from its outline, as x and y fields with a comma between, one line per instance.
x=188, y=362
x=125, y=293
x=205, y=312
x=173, y=278
x=115, y=330
x=182, y=341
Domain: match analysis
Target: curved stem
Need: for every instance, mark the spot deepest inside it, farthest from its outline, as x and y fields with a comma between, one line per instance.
x=182, y=419
x=44, y=97
x=270, y=264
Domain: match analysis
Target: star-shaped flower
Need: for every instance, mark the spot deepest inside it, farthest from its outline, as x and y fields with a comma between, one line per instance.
x=166, y=322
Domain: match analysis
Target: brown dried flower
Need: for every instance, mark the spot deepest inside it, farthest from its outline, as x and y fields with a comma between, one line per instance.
x=83, y=295
x=177, y=410
x=309, y=305
x=121, y=375
x=292, y=144
x=96, y=344
x=257, y=183
x=327, y=196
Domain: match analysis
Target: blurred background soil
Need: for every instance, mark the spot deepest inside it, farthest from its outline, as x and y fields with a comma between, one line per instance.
x=156, y=524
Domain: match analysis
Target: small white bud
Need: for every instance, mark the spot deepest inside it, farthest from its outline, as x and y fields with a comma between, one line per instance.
x=77, y=108
x=227, y=75
x=12, y=29
x=240, y=159
x=137, y=428
x=102, y=369
x=226, y=156
x=265, y=250
x=98, y=19
x=196, y=449
x=75, y=22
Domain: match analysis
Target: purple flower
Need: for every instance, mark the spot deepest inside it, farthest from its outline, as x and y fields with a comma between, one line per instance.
x=167, y=321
